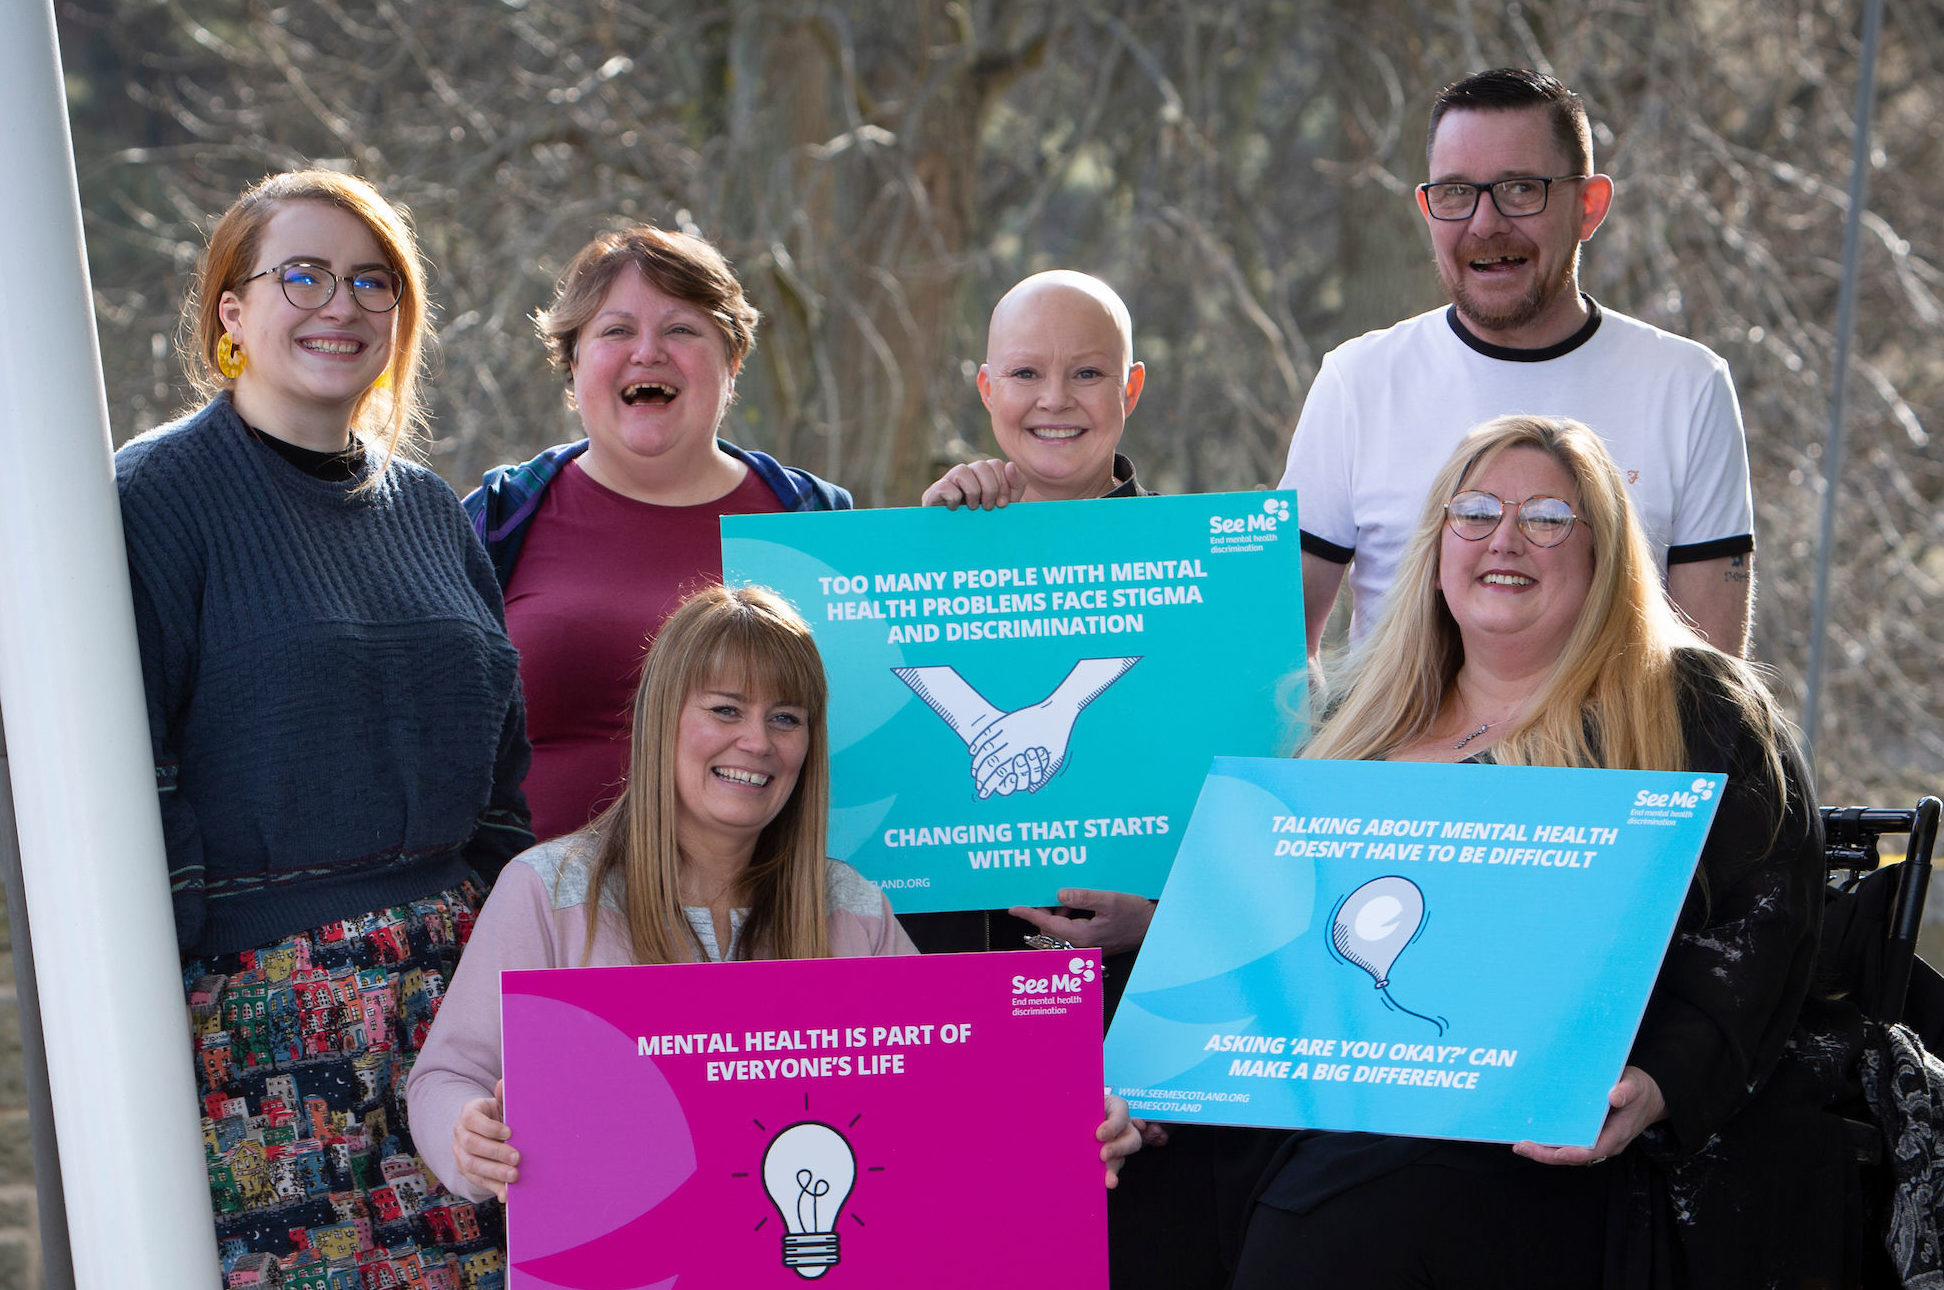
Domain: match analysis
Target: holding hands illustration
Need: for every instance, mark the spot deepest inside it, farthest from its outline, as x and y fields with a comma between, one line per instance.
x=1022, y=773
x=1019, y=751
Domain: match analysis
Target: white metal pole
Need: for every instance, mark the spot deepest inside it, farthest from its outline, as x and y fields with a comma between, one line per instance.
x=1839, y=379
x=117, y=1033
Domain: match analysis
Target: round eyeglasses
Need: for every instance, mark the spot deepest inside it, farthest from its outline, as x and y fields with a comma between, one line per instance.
x=1475, y=516
x=1514, y=198
x=311, y=286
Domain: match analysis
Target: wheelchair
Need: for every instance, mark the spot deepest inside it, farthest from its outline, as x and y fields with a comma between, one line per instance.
x=1868, y=954
x=1876, y=912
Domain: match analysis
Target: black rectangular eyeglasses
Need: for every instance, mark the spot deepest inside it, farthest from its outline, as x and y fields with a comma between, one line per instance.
x=1515, y=198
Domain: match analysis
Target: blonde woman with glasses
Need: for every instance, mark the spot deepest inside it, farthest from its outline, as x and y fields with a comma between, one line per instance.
x=1529, y=627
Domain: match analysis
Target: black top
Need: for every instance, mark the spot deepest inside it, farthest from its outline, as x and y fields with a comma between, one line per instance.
x=1727, y=997
x=339, y=466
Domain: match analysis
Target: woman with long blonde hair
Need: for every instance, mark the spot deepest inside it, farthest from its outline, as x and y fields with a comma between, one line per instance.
x=766, y=889
x=714, y=851
x=1529, y=626
x=1603, y=694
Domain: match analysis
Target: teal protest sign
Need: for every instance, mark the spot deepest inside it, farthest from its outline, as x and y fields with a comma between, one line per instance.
x=1027, y=699
x=1395, y=947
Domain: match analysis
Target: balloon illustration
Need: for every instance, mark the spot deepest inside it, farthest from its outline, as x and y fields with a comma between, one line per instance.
x=1373, y=925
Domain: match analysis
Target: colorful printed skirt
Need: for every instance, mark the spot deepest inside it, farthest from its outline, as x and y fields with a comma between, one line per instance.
x=302, y=1049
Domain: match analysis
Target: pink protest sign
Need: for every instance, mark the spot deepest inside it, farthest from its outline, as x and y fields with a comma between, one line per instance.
x=869, y=1122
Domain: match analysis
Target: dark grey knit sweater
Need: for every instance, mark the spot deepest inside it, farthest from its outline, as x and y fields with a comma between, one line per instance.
x=333, y=702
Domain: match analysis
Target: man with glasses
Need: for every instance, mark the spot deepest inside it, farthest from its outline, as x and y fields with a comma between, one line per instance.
x=1512, y=194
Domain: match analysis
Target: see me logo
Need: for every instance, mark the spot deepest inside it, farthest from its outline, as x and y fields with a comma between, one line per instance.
x=1273, y=512
x=1700, y=793
x=1078, y=971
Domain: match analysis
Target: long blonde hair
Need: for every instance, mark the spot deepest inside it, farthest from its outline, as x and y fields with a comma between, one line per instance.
x=748, y=639
x=1614, y=697
x=390, y=414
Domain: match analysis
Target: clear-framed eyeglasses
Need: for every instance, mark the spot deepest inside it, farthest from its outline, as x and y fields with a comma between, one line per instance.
x=1475, y=515
x=311, y=286
x=1515, y=198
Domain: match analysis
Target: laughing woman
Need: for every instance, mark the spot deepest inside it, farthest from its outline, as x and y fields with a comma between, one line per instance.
x=335, y=714
x=596, y=542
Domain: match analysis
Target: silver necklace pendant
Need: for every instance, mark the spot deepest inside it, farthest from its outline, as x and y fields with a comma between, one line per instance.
x=1473, y=735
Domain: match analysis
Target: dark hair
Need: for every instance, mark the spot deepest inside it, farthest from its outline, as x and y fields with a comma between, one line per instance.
x=682, y=265
x=1506, y=89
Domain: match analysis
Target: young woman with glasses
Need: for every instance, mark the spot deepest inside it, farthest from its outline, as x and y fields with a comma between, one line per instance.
x=335, y=711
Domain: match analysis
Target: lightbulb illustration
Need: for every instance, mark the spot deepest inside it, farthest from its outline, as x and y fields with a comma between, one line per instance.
x=1373, y=925
x=808, y=1170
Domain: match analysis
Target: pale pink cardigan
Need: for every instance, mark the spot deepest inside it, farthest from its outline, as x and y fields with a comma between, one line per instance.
x=537, y=918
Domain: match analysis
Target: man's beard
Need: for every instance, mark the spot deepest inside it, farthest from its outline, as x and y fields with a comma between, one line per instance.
x=1542, y=295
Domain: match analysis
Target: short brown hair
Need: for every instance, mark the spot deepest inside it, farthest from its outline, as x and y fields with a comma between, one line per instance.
x=1509, y=89
x=387, y=414
x=682, y=265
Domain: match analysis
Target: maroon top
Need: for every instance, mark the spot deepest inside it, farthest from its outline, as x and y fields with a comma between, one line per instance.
x=598, y=576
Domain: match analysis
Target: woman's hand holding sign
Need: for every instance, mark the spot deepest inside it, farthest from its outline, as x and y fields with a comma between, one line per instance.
x=1120, y=1137
x=480, y=1141
x=1636, y=1102
x=979, y=485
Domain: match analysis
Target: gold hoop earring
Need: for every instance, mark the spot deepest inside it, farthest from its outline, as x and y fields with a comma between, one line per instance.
x=230, y=360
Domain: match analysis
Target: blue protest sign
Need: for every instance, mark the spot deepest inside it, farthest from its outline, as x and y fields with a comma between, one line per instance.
x=1027, y=699
x=1396, y=947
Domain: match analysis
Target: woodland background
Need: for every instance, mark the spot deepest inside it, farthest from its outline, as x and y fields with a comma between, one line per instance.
x=880, y=170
